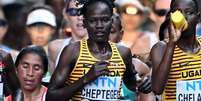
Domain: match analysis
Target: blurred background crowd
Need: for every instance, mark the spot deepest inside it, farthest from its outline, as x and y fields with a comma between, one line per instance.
x=49, y=22
x=145, y=16
x=141, y=20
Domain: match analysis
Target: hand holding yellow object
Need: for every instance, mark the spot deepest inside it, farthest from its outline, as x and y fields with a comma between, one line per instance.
x=179, y=20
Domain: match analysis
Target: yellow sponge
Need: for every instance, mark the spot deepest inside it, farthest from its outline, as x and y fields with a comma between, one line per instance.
x=178, y=20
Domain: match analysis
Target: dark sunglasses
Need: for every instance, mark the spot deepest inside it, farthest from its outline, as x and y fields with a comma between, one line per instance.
x=161, y=12
x=73, y=11
x=3, y=22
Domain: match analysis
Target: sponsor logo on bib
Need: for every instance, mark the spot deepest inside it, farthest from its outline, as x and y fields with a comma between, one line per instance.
x=188, y=90
x=103, y=88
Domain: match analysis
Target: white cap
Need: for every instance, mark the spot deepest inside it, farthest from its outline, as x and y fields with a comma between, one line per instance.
x=132, y=2
x=41, y=16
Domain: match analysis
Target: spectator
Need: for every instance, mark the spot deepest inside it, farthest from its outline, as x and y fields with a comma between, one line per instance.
x=78, y=32
x=143, y=70
x=3, y=30
x=15, y=15
x=40, y=25
x=140, y=42
x=160, y=10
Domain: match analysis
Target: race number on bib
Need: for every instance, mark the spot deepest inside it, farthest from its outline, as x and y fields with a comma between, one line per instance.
x=188, y=90
x=103, y=88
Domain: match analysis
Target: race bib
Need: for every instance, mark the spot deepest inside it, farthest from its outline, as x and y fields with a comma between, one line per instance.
x=103, y=88
x=188, y=90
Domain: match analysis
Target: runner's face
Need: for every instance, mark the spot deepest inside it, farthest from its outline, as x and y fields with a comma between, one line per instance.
x=98, y=21
x=188, y=8
x=30, y=71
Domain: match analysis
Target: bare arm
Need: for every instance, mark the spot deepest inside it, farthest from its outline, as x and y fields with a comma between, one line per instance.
x=129, y=75
x=141, y=67
x=161, y=56
x=53, y=50
x=58, y=90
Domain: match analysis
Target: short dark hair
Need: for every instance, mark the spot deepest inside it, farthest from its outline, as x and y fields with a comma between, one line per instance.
x=195, y=2
x=86, y=3
x=36, y=50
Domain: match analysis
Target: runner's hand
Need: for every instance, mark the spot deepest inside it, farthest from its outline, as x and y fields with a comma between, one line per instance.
x=145, y=86
x=174, y=34
x=98, y=69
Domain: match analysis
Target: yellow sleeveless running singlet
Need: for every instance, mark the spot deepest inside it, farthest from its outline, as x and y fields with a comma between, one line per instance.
x=104, y=88
x=184, y=80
